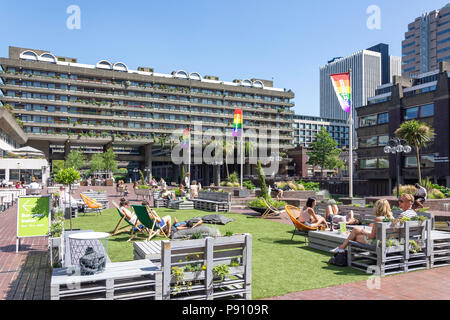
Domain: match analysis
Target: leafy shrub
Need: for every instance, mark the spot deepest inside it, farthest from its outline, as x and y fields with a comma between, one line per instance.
x=405, y=190
x=234, y=177
x=143, y=187
x=249, y=185
x=314, y=186
x=436, y=194
x=259, y=203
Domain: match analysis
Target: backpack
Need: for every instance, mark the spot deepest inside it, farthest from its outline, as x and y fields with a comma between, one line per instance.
x=339, y=259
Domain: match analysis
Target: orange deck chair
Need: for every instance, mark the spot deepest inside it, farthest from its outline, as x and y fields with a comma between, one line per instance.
x=293, y=213
x=91, y=203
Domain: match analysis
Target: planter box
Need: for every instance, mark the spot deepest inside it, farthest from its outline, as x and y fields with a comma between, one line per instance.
x=109, y=182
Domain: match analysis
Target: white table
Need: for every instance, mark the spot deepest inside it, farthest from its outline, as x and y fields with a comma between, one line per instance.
x=80, y=241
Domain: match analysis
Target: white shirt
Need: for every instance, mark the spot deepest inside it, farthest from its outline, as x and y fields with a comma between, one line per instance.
x=187, y=181
x=34, y=185
x=422, y=192
x=408, y=213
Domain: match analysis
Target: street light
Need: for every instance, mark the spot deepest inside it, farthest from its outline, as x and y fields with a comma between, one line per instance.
x=148, y=171
x=135, y=170
x=397, y=146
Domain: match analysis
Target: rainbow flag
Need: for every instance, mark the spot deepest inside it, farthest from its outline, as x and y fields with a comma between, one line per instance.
x=186, y=138
x=342, y=87
x=237, y=123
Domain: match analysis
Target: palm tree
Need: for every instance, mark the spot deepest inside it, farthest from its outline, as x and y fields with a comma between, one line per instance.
x=228, y=149
x=417, y=135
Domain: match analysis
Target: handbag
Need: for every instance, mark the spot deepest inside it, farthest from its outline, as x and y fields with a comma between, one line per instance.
x=339, y=259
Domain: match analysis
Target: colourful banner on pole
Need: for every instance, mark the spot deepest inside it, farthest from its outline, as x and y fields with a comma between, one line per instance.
x=186, y=138
x=342, y=87
x=237, y=123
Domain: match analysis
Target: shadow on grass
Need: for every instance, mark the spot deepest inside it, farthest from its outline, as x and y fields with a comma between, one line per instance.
x=344, y=271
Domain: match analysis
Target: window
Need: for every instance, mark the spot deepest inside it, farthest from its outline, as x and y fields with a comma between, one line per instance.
x=383, y=163
x=383, y=140
x=427, y=110
x=368, y=163
x=383, y=118
x=368, y=121
x=368, y=142
x=411, y=113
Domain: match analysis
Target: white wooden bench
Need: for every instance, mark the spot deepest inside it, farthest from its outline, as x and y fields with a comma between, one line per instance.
x=213, y=201
x=150, y=250
x=138, y=279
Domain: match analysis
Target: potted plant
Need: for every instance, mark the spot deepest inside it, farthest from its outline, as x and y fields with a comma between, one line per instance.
x=68, y=177
x=56, y=230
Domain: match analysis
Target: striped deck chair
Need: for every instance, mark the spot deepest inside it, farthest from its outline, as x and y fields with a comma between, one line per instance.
x=142, y=213
x=271, y=211
x=127, y=228
x=91, y=203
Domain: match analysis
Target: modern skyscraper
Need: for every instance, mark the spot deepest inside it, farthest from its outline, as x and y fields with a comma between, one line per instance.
x=427, y=42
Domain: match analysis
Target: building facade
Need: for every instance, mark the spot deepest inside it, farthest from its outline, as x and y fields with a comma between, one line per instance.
x=424, y=97
x=427, y=42
x=306, y=128
x=14, y=167
x=66, y=105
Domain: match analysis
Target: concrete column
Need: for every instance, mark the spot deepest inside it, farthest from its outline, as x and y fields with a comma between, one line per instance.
x=216, y=178
x=206, y=176
x=447, y=180
x=147, y=158
x=66, y=149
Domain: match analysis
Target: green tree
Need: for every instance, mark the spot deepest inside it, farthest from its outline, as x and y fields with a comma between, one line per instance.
x=324, y=152
x=68, y=177
x=417, y=135
x=109, y=161
x=97, y=163
x=75, y=159
x=262, y=181
x=57, y=165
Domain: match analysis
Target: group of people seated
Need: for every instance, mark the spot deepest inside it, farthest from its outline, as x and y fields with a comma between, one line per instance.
x=163, y=224
x=382, y=210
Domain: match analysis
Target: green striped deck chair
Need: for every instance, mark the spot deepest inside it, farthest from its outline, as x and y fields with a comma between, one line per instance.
x=151, y=224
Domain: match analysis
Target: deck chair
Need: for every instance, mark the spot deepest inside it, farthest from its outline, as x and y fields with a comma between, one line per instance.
x=127, y=228
x=92, y=203
x=142, y=213
x=293, y=213
x=271, y=211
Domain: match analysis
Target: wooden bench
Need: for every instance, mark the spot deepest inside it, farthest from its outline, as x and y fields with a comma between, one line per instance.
x=440, y=254
x=213, y=201
x=181, y=205
x=208, y=252
x=138, y=279
x=389, y=259
x=150, y=250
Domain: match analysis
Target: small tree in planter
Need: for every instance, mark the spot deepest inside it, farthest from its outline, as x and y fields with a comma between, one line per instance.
x=67, y=177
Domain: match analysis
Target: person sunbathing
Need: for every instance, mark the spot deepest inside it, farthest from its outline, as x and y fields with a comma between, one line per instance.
x=382, y=210
x=332, y=216
x=164, y=224
x=130, y=216
x=308, y=216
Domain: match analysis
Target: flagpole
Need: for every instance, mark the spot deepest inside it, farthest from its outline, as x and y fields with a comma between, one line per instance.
x=242, y=154
x=350, y=141
x=189, y=161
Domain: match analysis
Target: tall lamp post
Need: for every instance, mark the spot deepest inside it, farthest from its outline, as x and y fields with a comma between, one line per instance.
x=135, y=170
x=397, y=146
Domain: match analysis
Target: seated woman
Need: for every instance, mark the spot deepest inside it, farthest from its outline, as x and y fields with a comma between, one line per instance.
x=309, y=218
x=164, y=223
x=332, y=216
x=194, y=189
x=382, y=210
x=125, y=209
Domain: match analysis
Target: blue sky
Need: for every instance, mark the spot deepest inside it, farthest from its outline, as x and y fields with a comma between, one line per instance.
x=287, y=40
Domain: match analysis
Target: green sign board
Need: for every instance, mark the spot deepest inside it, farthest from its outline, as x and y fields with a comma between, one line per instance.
x=33, y=216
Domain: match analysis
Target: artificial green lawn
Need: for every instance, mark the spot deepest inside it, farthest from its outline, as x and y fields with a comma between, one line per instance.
x=280, y=266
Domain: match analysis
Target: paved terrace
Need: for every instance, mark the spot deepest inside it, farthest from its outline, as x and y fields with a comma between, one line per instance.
x=26, y=275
